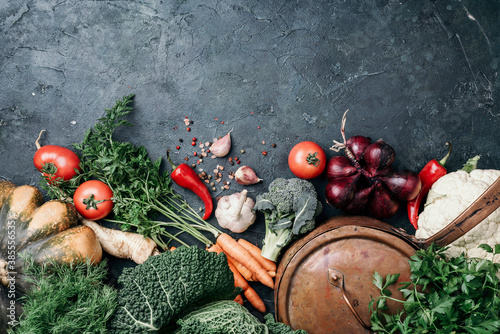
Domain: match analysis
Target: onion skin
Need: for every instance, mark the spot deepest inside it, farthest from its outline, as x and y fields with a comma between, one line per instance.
x=404, y=184
x=360, y=200
x=339, y=166
x=382, y=204
x=341, y=190
x=357, y=145
x=378, y=156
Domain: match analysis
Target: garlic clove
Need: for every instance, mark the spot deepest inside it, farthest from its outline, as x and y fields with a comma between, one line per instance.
x=246, y=176
x=221, y=147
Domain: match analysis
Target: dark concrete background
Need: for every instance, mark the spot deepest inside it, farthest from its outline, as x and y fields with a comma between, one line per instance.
x=415, y=73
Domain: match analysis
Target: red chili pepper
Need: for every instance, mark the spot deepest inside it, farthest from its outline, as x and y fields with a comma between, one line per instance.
x=185, y=176
x=431, y=172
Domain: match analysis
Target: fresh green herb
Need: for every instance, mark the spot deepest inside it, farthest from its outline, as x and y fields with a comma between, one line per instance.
x=141, y=190
x=66, y=299
x=456, y=295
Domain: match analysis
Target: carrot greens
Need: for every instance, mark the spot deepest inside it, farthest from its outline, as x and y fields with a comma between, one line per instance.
x=142, y=190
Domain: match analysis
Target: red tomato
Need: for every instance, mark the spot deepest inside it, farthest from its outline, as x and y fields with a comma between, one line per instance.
x=93, y=199
x=307, y=160
x=52, y=156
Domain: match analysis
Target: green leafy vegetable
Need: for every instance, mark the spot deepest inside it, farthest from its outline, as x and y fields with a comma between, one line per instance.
x=278, y=327
x=158, y=291
x=66, y=299
x=221, y=317
x=456, y=295
x=290, y=208
x=229, y=317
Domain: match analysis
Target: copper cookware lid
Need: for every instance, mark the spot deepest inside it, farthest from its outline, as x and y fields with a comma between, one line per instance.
x=324, y=281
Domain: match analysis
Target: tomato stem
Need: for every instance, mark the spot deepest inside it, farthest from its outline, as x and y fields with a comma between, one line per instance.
x=91, y=202
x=312, y=159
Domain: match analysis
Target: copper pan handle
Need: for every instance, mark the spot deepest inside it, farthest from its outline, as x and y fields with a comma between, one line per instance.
x=336, y=278
x=481, y=208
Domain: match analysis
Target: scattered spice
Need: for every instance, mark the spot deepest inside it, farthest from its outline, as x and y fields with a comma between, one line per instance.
x=273, y=145
x=188, y=129
x=193, y=143
x=178, y=147
x=263, y=143
x=264, y=152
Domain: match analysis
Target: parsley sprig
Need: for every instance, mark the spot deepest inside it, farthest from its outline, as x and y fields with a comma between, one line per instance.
x=142, y=191
x=455, y=295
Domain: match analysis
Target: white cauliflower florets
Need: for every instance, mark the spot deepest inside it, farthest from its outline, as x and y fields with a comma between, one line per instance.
x=448, y=198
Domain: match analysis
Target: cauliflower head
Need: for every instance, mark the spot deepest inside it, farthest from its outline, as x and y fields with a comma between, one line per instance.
x=448, y=198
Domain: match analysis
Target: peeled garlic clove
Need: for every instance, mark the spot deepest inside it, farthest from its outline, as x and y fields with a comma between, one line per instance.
x=221, y=147
x=246, y=176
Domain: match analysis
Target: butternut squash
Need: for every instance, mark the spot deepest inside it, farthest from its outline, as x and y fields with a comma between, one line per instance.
x=47, y=231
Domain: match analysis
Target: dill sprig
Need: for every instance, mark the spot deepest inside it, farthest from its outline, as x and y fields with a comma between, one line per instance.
x=66, y=298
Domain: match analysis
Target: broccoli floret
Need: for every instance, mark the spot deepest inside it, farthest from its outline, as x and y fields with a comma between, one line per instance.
x=158, y=291
x=290, y=208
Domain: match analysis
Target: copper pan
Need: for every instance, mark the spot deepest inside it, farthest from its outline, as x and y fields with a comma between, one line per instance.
x=324, y=280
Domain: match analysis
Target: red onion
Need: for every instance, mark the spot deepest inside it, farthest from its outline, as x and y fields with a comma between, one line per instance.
x=363, y=180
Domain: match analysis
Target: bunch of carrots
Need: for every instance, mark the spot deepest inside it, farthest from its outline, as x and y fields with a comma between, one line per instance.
x=247, y=264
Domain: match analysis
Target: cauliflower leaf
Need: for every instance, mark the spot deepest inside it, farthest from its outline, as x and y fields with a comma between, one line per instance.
x=448, y=198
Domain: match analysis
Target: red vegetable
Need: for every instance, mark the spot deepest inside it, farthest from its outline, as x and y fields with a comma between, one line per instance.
x=431, y=172
x=363, y=180
x=185, y=176
x=56, y=162
x=93, y=199
x=307, y=160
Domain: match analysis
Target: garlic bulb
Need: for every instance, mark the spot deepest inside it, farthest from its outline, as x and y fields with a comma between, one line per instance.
x=246, y=176
x=221, y=147
x=235, y=212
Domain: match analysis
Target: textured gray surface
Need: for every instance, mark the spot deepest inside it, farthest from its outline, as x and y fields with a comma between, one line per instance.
x=415, y=73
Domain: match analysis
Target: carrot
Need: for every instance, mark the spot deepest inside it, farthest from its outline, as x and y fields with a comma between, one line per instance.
x=232, y=248
x=247, y=274
x=254, y=299
x=241, y=268
x=239, y=299
x=255, y=251
x=240, y=282
x=248, y=291
x=124, y=245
